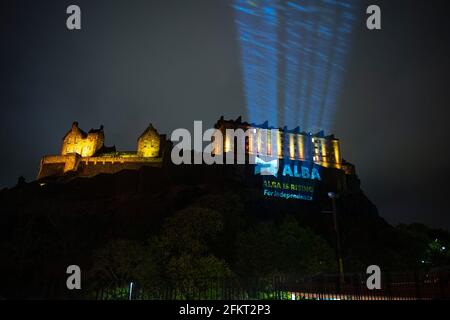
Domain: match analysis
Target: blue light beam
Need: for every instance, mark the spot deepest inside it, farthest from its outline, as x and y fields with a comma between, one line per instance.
x=313, y=50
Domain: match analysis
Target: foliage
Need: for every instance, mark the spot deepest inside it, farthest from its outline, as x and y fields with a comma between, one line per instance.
x=146, y=238
x=121, y=261
x=287, y=248
x=436, y=254
x=190, y=231
x=423, y=248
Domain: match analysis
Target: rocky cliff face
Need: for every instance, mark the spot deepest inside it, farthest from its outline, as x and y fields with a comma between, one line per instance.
x=45, y=227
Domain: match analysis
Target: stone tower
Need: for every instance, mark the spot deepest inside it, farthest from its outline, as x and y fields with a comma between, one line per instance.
x=149, y=143
x=82, y=143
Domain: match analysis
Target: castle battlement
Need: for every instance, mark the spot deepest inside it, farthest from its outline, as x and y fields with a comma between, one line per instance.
x=85, y=154
x=293, y=144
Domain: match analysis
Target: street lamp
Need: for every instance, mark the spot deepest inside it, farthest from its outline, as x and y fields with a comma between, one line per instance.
x=333, y=196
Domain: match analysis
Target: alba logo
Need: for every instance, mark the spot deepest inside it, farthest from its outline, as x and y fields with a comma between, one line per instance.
x=270, y=168
x=266, y=168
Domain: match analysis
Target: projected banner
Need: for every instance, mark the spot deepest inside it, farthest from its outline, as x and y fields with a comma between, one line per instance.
x=283, y=188
x=293, y=56
x=288, y=179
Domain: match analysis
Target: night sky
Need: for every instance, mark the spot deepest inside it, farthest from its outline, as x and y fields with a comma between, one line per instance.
x=172, y=62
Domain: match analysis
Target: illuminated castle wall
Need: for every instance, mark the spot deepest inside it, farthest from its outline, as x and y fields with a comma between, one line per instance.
x=149, y=143
x=291, y=144
x=85, y=154
x=82, y=143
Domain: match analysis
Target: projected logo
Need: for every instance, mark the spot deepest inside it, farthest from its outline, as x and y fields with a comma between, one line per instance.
x=266, y=168
x=288, y=180
x=293, y=58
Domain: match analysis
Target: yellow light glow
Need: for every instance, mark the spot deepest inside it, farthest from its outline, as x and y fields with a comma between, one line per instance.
x=85, y=151
x=324, y=148
x=83, y=147
x=336, y=151
x=251, y=141
x=291, y=146
x=279, y=145
x=227, y=143
x=258, y=141
x=301, y=153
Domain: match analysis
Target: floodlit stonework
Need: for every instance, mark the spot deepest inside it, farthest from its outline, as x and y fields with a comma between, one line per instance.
x=293, y=144
x=149, y=143
x=85, y=154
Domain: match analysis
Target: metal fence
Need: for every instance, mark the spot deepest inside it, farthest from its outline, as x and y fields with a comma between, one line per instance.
x=323, y=287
